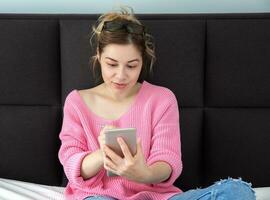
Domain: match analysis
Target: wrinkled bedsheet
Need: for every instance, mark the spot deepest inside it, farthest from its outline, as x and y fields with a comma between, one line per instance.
x=19, y=190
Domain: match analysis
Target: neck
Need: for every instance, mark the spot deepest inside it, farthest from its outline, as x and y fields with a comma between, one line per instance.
x=120, y=97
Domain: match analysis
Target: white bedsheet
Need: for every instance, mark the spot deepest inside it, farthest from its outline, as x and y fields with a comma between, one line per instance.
x=19, y=190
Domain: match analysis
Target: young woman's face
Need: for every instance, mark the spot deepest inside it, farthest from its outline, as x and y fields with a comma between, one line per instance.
x=120, y=66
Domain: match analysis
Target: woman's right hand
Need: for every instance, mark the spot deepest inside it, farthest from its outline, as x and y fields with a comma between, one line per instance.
x=101, y=137
x=94, y=161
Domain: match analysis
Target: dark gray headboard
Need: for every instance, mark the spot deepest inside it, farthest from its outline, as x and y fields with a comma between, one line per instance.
x=218, y=65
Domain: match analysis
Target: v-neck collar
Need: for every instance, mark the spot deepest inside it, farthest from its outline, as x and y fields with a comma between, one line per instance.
x=102, y=119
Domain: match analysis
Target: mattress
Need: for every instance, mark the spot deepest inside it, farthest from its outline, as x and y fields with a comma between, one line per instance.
x=13, y=189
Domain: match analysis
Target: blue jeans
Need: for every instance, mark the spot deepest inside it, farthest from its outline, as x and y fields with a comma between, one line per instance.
x=226, y=189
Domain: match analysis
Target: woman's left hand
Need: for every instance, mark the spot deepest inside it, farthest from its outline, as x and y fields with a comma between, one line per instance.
x=131, y=167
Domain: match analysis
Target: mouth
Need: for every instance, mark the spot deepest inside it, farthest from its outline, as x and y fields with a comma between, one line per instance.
x=119, y=85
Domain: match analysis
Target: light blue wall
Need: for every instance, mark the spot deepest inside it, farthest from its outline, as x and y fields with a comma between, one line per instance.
x=139, y=6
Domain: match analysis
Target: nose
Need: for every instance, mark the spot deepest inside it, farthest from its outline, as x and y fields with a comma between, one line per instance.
x=121, y=73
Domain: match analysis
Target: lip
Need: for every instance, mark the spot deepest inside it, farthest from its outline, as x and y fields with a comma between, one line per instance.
x=119, y=85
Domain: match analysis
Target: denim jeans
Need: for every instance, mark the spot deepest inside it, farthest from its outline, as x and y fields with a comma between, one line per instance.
x=227, y=189
x=96, y=197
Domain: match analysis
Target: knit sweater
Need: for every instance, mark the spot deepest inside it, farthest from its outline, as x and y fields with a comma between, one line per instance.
x=155, y=115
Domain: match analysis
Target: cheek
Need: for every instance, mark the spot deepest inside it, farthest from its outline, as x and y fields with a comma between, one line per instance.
x=138, y=71
x=107, y=72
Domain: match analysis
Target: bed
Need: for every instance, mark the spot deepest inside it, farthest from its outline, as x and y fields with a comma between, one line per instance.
x=216, y=64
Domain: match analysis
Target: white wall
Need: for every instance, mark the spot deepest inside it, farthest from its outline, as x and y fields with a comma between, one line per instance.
x=139, y=6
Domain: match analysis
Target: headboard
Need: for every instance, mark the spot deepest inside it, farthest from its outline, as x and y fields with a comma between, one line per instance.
x=218, y=66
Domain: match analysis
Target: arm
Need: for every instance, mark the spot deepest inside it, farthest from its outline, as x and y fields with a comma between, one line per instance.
x=158, y=172
x=74, y=152
x=94, y=162
x=91, y=164
x=165, y=144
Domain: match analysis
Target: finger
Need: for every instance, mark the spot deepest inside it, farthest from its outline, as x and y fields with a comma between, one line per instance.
x=111, y=170
x=101, y=141
x=124, y=148
x=109, y=165
x=112, y=155
x=101, y=138
x=139, y=146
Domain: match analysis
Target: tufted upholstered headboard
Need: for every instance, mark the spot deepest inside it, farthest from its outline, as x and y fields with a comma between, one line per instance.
x=218, y=65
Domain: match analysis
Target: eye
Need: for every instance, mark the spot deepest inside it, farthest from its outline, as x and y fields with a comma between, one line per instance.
x=129, y=66
x=111, y=65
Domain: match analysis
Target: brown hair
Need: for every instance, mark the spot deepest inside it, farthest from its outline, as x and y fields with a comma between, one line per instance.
x=144, y=43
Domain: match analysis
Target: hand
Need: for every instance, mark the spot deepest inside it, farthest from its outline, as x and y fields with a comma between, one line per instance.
x=131, y=167
x=101, y=137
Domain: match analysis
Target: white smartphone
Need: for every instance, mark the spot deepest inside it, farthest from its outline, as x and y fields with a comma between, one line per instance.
x=129, y=136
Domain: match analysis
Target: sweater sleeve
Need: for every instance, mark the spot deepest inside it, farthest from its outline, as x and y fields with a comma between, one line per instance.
x=73, y=144
x=165, y=142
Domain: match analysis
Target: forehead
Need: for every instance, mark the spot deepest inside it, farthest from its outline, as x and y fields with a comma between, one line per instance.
x=121, y=52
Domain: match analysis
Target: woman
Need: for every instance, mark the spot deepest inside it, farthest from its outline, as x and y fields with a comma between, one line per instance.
x=123, y=99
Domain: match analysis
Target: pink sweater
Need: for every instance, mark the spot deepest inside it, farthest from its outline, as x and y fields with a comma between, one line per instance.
x=155, y=115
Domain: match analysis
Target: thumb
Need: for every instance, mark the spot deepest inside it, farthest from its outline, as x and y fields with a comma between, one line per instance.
x=139, y=145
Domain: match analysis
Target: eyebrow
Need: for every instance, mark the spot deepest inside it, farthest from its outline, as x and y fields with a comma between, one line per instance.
x=128, y=61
